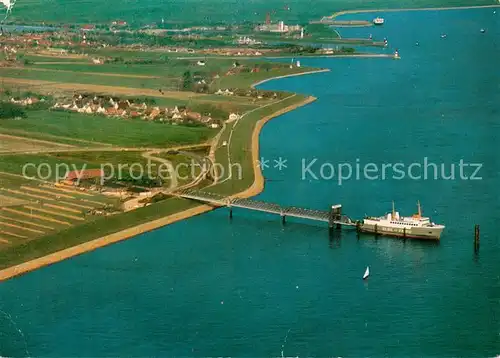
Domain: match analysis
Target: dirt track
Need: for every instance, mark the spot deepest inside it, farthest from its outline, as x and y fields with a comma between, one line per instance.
x=107, y=74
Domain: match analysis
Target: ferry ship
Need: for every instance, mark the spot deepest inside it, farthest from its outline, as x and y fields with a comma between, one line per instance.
x=392, y=224
x=378, y=21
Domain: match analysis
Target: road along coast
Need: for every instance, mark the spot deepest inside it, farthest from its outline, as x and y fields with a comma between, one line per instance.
x=254, y=189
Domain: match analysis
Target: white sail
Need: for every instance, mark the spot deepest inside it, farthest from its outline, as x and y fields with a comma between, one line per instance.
x=367, y=273
x=7, y=3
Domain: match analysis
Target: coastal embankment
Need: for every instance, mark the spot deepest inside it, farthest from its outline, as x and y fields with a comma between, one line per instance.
x=254, y=189
x=347, y=12
x=290, y=75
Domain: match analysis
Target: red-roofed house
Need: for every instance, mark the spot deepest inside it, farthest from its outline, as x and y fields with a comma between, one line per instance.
x=84, y=174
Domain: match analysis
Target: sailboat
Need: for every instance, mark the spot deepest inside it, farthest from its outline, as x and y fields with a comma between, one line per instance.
x=367, y=273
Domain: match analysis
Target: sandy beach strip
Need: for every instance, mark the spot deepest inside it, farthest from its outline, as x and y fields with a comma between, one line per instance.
x=255, y=189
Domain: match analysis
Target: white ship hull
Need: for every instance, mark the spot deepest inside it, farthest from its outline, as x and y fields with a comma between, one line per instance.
x=424, y=233
x=392, y=224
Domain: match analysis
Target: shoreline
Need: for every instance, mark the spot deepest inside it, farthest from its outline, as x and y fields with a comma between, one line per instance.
x=256, y=188
x=290, y=75
x=348, y=12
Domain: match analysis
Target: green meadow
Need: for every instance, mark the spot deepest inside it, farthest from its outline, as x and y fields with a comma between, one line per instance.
x=202, y=12
x=115, y=131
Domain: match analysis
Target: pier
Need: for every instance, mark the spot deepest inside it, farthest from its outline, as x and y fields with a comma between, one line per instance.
x=333, y=217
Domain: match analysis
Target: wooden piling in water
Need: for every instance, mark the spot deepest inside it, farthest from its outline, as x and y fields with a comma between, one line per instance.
x=230, y=213
x=283, y=219
x=476, y=238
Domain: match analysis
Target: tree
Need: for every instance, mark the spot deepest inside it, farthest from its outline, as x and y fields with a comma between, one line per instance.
x=11, y=110
x=187, y=81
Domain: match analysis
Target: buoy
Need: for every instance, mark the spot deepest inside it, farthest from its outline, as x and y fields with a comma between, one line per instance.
x=367, y=273
x=483, y=31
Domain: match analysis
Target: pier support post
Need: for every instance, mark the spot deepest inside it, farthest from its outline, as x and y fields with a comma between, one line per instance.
x=330, y=229
x=283, y=219
x=230, y=213
x=476, y=238
x=358, y=228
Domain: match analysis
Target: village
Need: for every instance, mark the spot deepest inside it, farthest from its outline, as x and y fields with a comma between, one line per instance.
x=128, y=109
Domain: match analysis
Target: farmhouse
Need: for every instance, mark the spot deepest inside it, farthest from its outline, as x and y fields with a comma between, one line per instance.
x=84, y=174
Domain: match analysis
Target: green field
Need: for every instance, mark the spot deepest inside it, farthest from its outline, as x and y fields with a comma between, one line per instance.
x=241, y=147
x=202, y=12
x=90, y=79
x=120, y=132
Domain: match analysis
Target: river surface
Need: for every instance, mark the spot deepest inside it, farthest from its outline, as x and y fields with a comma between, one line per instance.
x=252, y=287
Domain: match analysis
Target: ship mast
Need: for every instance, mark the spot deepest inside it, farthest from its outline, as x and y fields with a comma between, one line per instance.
x=419, y=209
x=393, y=211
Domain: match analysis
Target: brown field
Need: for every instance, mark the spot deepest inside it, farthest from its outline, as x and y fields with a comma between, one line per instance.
x=44, y=218
x=84, y=73
x=26, y=134
x=26, y=222
x=9, y=144
x=126, y=91
x=50, y=86
x=22, y=228
x=10, y=201
x=21, y=193
x=45, y=53
x=66, y=190
x=40, y=191
x=62, y=208
x=51, y=212
x=8, y=233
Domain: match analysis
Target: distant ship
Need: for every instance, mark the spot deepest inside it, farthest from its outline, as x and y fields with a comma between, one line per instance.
x=414, y=227
x=378, y=21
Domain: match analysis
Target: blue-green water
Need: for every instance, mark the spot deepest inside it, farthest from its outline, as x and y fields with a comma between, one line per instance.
x=208, y=287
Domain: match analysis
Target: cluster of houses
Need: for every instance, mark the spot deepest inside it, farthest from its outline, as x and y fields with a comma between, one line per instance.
x=115, y=107
x=236, y=51
x=26, y=101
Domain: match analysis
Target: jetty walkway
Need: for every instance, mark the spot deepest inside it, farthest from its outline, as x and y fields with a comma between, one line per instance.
x=333, y=217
